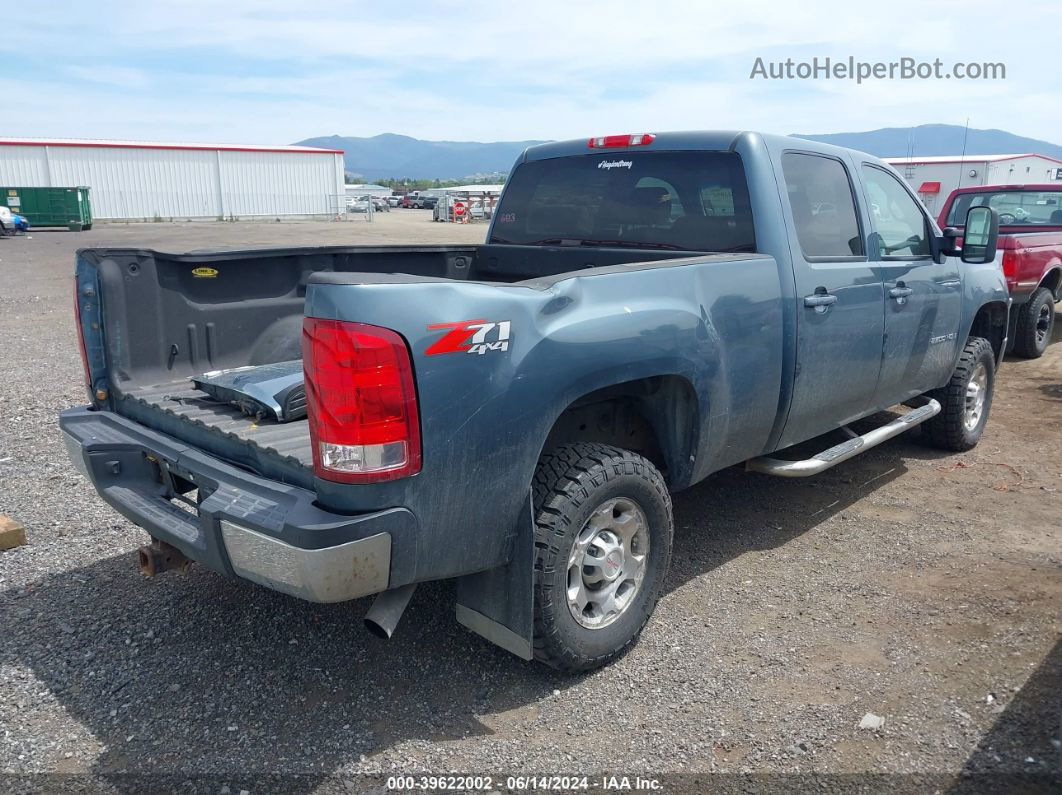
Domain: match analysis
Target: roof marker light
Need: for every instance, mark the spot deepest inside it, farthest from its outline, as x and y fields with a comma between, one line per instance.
x=617, y=141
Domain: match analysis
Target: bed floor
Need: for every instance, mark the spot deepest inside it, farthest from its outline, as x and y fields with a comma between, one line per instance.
x=290, y=440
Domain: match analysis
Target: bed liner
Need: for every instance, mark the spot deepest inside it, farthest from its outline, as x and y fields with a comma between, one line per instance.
x=290, y=441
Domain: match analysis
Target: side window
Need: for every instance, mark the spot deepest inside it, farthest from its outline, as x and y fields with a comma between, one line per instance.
x=823, y=206
x=900, y=224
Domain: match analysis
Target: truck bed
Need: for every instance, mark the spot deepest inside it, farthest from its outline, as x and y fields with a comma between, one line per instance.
x=167, y=318
x=289, y=442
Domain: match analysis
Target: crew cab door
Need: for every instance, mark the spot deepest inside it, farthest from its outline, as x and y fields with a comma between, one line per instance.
x=839, y=312
x=923, y=299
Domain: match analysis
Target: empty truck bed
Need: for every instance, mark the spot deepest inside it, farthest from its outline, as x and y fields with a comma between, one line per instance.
x=268, y=447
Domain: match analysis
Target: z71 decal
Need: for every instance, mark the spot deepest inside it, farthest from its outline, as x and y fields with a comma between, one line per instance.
x=470, y=336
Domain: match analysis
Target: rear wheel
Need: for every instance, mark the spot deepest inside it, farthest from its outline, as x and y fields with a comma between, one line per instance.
x=965, y=401
x=1036, y=322
x=603, y=532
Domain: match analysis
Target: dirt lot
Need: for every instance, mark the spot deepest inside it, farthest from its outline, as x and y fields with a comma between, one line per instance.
x=923, y=588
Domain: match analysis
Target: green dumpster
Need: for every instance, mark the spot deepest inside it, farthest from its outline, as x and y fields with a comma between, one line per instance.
x=67, y=207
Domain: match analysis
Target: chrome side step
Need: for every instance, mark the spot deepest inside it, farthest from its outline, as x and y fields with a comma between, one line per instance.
x=845, y=450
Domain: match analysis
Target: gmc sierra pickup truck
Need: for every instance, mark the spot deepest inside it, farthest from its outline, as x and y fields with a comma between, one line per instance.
x=647, y=310
x=1030, y=221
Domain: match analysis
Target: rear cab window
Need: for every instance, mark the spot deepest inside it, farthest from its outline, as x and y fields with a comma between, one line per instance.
x=687, y=201
x=823, y=205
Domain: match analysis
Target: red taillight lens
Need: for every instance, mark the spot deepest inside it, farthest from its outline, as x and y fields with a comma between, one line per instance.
x=1010, y=263
x=360, y=401
x=610, y=141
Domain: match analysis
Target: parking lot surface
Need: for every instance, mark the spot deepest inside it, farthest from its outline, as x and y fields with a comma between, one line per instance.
x=920, y=587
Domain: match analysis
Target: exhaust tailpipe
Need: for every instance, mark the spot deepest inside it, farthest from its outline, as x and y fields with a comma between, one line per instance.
x=387, y=609
x=158, y=556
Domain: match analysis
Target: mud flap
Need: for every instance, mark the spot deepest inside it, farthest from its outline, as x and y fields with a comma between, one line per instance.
x=499, y=603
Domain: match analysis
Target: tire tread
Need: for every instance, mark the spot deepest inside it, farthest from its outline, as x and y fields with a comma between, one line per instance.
x=1025, y=328
x=947, y=430
x=564, y=479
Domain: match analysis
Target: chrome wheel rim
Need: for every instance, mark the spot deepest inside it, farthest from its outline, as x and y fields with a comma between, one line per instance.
x=1043, y=323
x=976, y=392
x=607, y=563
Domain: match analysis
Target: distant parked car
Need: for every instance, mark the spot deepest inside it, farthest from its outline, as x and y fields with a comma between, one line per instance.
x=421, y=202
x=7, y=222
x=359, y=204
x=392, y=201
x=380, y=204
x=480, y=210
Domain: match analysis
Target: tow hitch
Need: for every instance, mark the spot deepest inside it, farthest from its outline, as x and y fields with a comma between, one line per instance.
x=158, y=556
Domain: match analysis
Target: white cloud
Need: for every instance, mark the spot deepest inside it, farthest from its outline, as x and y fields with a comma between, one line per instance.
x=502, y=71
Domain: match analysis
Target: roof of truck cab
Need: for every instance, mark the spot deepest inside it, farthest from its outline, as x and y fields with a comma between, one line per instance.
x=692, y=140
x=708, y=140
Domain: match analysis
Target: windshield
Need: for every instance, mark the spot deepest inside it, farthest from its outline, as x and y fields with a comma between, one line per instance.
x=692, y=201
x=1015, y=208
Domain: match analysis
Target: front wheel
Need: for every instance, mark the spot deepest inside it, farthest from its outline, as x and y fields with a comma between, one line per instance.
x=603, y=531
x=965, y=400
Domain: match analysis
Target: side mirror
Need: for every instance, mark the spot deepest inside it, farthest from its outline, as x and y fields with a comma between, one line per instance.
x=980, y=235
x=950, y=243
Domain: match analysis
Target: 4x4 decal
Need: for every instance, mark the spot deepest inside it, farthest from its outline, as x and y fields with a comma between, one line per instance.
x=470, y=336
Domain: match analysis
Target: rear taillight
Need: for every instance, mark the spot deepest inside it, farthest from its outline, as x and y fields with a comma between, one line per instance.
x=1010, y=263
x=360, y=401
x=610, y=141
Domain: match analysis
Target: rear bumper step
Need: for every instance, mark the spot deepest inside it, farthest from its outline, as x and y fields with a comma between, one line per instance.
x=845, y=450
x=240, y=524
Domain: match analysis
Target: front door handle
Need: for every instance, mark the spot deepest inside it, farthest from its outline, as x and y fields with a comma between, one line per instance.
x=900, y=292
x=820, y=300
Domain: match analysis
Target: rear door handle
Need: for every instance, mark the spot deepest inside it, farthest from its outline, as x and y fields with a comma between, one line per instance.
x=820, y=300
x=900, y=292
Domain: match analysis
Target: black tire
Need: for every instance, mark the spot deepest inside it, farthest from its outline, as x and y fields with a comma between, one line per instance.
x=571, y=483
x=1036, y=323
x=950, y=429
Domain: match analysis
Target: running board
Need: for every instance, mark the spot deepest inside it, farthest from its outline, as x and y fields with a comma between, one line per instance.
x=844, y=450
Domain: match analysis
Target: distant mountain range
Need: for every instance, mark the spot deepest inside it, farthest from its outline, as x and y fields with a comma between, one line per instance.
x=391, y=155
x=937, y=139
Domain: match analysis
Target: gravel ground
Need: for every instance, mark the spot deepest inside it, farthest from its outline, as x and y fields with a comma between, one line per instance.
x=922, y=588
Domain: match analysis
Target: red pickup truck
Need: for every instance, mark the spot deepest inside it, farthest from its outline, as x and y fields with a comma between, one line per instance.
x=1030, y=237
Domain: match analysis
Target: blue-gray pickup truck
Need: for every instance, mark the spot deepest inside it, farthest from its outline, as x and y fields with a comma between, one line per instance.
x=647, y=310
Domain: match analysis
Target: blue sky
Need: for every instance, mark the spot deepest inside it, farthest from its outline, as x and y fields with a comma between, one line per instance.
x=270, y=72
